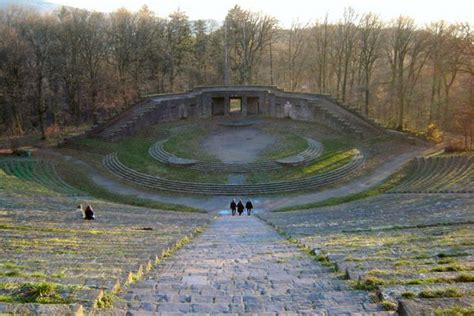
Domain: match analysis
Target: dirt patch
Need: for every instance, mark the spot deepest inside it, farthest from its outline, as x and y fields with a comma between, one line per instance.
x=237, y=145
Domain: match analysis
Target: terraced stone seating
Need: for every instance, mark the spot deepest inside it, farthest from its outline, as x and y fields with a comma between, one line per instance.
x=127, y=123
x=113, y=164
x=45, y=240
x=336, y=121
x=310, y=154
x=454, y=174
x=38, y=171
x=399, y=245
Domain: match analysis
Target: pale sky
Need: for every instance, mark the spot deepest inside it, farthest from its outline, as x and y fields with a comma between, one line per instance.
x=423, y=11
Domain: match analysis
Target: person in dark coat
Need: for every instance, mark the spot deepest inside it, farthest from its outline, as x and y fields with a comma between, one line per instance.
x=240, y=207
x=233, y=207
x=89, y=213
x=249, y=206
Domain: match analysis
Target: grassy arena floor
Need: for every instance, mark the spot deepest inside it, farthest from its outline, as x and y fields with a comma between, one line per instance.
x=186, y=138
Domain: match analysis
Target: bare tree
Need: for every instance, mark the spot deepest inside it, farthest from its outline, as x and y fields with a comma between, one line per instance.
x=13, y=72
x=370, y=32
x=37, y=31
x=400, y=37
x=297, y=45
x=320, y=46
x=179, y=45
x=93, y=54
x=121, y=36
x=248, y=34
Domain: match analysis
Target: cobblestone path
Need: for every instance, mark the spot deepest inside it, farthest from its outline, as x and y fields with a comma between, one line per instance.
x=241, y=265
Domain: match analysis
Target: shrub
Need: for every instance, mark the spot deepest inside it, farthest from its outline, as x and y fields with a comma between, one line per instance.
x=106, y=301
x=42, y=292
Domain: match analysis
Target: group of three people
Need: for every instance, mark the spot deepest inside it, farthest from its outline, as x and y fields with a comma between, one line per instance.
x=239, y=207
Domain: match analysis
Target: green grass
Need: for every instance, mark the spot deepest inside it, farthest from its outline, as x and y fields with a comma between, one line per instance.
x=22, y=187
x=325, y=163
x=369, y=283
x=41, y=292
x=464, y=277
x=185, y=140
x=454, y=311
x=188, y=143
x=451, y=292
x=133, y=153
x=106, y=301
x=81, y=181
x=288, y=144
x=447, y=268
x=385, y=186
x=12, y=184
x=330, y=162
x=408, y=294
x=389, y=305
x=37, y=172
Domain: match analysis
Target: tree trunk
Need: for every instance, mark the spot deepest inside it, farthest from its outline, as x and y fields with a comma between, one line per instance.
x=39, y=106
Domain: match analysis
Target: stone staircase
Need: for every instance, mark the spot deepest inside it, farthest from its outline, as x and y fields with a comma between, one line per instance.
x=336, y=121
x=242, y=266
x=113, y=164
x=128, y=123
x=307, y=156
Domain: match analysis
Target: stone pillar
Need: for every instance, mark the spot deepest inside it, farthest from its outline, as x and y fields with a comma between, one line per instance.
x=244, y=105
x=226, y=105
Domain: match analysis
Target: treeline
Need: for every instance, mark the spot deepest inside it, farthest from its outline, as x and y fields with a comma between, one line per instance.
x=75, y=66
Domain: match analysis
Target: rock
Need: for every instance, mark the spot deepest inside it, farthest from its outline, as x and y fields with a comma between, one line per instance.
x=415, y=307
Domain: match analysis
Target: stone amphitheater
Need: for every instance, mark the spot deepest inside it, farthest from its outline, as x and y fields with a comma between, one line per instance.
x=349, y=218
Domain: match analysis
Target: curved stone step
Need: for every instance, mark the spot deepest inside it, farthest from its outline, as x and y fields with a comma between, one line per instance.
x=42, y=172
x=439, y=174
x=112, y=163
x=309, y=155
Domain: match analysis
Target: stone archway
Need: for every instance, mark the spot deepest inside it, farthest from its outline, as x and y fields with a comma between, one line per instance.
x=235, y=106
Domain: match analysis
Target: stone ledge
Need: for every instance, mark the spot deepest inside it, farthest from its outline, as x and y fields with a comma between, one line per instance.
x=291, y=161
x=173, y=160
x=410, y=307
x=41, y=309
x=237, y=123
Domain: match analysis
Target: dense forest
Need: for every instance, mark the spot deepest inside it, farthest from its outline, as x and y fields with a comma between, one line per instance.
x=76, y=67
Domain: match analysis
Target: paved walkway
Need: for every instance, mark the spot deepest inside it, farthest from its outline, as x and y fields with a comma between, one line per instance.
x=241, y=265
x=218, y=203
x=357, y=185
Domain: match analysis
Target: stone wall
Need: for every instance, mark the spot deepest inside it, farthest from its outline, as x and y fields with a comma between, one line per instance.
x=205, y=102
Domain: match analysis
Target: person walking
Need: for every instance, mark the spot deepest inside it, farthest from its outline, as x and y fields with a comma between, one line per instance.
x=233, y=207
x=240, y=207
x=249, y=207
